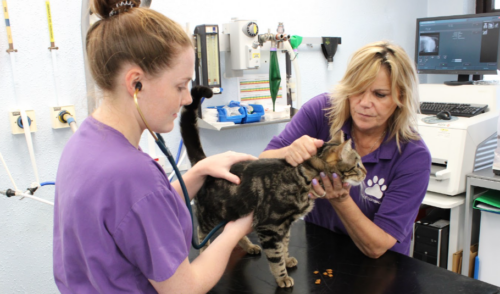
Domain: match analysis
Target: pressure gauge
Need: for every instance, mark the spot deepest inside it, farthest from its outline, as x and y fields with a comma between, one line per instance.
x=251, y=29
x=207, y=58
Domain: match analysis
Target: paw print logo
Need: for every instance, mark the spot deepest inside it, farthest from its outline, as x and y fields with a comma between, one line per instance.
x=376, y=187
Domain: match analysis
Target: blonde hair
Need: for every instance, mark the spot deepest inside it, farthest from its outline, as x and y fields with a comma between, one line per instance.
x=139, y=36
x=361, y=72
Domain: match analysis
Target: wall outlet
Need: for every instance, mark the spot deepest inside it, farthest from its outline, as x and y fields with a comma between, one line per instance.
x=15, y=115
x=161, y=161
x=54, y=116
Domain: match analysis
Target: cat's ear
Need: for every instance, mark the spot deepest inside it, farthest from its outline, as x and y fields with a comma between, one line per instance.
x=337, y=138
x=346, y=150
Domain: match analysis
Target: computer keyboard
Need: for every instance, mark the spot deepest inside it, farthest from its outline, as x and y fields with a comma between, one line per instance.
x=456, y=109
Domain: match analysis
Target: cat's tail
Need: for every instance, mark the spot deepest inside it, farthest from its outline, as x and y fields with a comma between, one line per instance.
x=189, y=129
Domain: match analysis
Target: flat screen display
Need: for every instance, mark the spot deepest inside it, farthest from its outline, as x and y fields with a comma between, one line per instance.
x=461, y=44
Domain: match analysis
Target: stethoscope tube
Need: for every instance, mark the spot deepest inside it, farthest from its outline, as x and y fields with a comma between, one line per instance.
x=161, y=144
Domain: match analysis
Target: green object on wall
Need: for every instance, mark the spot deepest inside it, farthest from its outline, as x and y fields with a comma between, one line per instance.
x=295, y=41
x=274, y=76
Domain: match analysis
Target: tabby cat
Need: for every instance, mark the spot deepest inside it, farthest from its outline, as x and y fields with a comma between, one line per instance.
x=276, y=191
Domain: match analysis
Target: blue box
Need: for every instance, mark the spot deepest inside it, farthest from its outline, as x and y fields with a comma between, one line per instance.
x=223, y=117
x=245, y=117
x=258, y=112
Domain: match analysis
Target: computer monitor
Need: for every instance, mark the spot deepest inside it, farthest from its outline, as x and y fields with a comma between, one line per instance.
x=460, y=44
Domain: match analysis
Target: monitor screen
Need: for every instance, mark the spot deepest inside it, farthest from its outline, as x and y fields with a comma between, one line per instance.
x=461, y=44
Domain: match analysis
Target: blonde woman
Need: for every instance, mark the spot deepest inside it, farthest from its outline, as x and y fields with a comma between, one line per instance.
x=375, y=105
x=119, y=225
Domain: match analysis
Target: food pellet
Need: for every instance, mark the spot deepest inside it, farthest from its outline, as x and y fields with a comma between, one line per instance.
x=329, y=270
x=317, y=282
x=325, y=273
x=315, y=272
x=330, y=275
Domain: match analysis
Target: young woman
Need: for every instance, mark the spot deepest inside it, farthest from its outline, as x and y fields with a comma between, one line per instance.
x=119, y=225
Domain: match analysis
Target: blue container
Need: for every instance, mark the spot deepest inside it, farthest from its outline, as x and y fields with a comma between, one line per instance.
x=258, y=112
x=223, y=117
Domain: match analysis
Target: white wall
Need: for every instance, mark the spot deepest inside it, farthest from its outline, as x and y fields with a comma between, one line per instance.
x=26, y=226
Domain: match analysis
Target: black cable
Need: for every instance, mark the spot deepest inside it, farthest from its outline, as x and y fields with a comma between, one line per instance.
x=164, y=149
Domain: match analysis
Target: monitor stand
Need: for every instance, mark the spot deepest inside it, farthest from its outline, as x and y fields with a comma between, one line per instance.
x=464, y=80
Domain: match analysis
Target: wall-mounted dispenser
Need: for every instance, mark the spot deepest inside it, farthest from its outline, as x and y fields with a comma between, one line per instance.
x=329, y=48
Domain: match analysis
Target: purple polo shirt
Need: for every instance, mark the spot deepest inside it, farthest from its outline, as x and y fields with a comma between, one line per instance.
x=117, y=220
x=395, y=184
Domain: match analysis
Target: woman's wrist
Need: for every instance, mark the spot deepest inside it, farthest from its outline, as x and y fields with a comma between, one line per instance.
x=286, y=150
x=198, y=169
x=340, y=200
x=232, y=234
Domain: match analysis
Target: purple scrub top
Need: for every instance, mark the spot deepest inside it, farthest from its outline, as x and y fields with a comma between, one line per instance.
x=395, y=184
x=117, y=221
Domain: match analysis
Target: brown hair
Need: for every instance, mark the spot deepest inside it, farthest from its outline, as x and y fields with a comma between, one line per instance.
x=362, y=71
x=134, y=35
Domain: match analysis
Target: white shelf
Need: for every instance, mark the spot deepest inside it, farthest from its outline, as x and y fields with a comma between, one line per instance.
x=443, y=201
x=202, y=124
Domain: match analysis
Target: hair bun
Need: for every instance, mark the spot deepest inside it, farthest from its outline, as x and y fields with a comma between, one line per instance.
x=108, y=8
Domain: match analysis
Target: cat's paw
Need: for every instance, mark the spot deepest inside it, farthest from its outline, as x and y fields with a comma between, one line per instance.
x=291, y=262
x=254, y=249
x=376, y=187
x=285, y=282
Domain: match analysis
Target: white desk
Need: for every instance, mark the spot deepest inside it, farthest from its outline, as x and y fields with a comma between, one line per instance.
x=456, y=206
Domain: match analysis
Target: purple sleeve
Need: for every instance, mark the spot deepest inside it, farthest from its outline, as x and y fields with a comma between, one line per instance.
x=151, y=236
x=308, y=121
x=404, y=195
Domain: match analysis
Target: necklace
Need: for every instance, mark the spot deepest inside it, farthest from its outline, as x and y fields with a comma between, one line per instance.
x=374, y=143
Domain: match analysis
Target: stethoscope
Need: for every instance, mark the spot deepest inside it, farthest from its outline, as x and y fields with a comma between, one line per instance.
x=161, y=144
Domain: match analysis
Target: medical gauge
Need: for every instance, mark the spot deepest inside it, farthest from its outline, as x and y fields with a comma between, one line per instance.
x=251, y=29
x=208, y=57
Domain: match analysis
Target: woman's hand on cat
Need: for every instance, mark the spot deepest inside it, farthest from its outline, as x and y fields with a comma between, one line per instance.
x=218, y=165
x=333, y=190
x=242, y=226
x=302, y=149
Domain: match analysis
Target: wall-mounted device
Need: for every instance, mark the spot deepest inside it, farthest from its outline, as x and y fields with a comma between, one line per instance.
x=208, y=57
x=16, y=122
x=329, y=48
x=244, y=49
x=56, y=117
